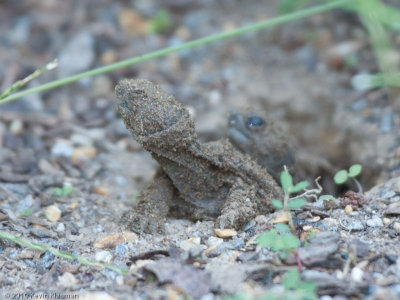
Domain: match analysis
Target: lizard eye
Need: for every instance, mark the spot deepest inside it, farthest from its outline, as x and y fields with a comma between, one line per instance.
x=255, y=122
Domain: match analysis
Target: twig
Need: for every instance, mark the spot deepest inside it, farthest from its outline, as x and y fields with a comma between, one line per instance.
x=148, y=255
x=312, y=192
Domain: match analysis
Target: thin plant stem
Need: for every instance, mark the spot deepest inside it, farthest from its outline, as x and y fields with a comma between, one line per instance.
x=202, y=41
x=359, y=187
x=20, y=83
x=42, y=247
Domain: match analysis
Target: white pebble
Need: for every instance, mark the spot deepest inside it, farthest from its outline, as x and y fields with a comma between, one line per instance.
x=62, y=148
x=357, y=274
x=104, y=256
x=375, y=222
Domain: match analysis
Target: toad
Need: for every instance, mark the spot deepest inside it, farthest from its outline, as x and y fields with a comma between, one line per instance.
x=197, y=181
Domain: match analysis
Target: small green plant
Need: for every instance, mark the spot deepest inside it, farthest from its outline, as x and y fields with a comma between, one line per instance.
x=161, y=22
x=64, y=191
x=25, y=213
x=295, y=202
x=304, y=290
x=295, y=289
x=280, y=239
x=342, y=176
x=283, y=238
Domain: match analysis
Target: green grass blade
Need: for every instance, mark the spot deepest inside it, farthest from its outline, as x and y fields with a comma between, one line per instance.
x=202, y=41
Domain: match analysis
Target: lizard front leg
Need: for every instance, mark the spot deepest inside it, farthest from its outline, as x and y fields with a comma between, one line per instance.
x=152, y=207
x=239, y=208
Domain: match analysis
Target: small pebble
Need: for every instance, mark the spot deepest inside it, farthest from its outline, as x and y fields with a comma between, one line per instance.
x=102, y=190
x=386, y=221
x=282, y=218
x=360, y=105
x=119, y=280
x=52, y=213
x=260, y=219
x=67, y=280
x=330, y=222
x=62, y=148
x=387, y=194
x=348, y=209
x=238, y=243
x=60, y=227
x=375, y=222
x=25, y=254
x=47, y=168
x=82, y=153
x=356, y=225
x=81, y=140
x=225, y=233
x=357, y=274
x=249, y=226
x=396, y=227
x=113, y=240
x=104, y=256
x=212, y=240
x=96, y=134
x=17, y=127
x=101, y=86
x=190, y=244
x=96, y=296
x=73, y=205
x=393, y=209
x=214, y=97
x=386, y=123
x=121, y=249
x=48, y=259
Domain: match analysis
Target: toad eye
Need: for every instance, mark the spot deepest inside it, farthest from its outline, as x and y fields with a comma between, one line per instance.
x=255, y=122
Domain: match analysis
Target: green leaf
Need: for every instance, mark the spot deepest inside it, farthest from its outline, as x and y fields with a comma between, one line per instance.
x=266, y=240
x=297, y=203
x=326, y=197
x=299, y=187
x=308, y=290
x=278, y=244
x=282, y=228
x=277, y=203
x=286, y=181
x=290, y=241
x=67, y=189
x=25, y=212
x=58, y=192
x=355, y=170
x=341, y=177
x=162, y=21
x=307, y=286
x=283, y=255
x=291, y=279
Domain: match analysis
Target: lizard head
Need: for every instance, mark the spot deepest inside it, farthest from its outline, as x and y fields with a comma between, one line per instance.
x=149, y=112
